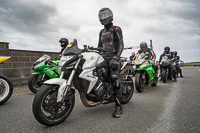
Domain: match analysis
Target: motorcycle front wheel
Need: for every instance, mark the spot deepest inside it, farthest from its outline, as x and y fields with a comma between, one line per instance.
x=33, y=83
x=139, y=82
x=6, y=89
x=164, y=76
x=47, y=110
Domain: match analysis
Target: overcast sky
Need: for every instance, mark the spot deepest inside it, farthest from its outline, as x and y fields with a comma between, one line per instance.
x=39, y=24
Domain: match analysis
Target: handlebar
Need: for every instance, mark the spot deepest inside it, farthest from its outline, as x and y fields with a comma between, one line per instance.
x=99, y=48
x=50, y=62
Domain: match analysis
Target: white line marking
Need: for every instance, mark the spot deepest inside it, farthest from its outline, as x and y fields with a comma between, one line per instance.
x=165, y=120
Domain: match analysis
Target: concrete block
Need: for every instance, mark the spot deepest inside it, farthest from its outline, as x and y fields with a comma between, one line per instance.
x=13, y=59
x=29, y=53
x=1, y=46
x=2, y=70
x=17, y=53
x=33, y=59
x=29, y=65
x=18, y=65
x=12, y=71
x=29, y=75
x=24, y=59
x=25, y=70
x=8, y=65
x=5, y=53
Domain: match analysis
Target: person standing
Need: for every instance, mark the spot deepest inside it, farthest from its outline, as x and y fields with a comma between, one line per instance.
x=111, y=40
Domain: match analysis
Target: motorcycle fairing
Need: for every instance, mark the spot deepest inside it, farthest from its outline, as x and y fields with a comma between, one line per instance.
x=88, y=75
x=4, y=58
x=92, y=59
x=148, y=69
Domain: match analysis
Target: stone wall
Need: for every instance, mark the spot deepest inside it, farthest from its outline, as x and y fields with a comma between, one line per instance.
x=19, y=67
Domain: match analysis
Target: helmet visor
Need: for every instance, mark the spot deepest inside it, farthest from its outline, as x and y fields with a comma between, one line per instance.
x=105, y=14
x=144, y=47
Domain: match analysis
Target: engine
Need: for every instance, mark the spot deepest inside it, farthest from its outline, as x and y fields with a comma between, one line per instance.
x=101, y=86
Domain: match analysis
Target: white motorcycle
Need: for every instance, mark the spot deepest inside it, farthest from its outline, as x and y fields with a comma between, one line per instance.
x=55, y=100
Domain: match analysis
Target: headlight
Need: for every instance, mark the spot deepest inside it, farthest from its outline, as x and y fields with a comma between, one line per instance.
x=143, y=65
x=134, y=67
x=64, y=59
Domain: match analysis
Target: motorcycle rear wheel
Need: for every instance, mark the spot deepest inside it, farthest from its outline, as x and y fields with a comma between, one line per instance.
x=6, y=89
x=45, y=108
x=139, y=83
x=128, y=89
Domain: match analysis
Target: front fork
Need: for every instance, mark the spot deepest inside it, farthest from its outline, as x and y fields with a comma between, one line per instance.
x=69, y=82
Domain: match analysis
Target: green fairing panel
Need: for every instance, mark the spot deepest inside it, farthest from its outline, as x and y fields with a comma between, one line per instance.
x=35, y=73
x=149, y=69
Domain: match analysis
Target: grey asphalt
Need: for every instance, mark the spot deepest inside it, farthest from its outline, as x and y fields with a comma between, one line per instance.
x=172, y=107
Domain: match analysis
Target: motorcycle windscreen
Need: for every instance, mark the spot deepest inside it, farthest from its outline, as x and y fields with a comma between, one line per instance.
x=72, y=49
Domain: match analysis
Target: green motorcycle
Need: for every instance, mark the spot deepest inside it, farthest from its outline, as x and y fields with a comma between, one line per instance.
x=145, y=74
x=44, y=69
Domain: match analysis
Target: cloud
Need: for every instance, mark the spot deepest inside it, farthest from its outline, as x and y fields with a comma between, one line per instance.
x=29, y=17
x=38, y=25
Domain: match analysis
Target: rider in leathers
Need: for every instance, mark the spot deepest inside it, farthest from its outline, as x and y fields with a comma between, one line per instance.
x=177, y=59
x=170, y=56
x=111, y=40
x=150, y=55
x=63, y=43
x=132, y=57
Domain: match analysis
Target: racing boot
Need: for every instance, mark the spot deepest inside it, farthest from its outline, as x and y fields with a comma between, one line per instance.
x=118, y=104
x=181, y=73
x=175, y=79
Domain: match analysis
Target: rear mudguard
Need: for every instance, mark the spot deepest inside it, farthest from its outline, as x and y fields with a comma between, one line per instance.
x=60, y=82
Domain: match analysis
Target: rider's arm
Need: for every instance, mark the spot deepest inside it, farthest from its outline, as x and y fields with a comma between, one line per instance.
x=119, y=38
x=177, y=58
x=100, y=42
x=153, y=55
x=160, y=58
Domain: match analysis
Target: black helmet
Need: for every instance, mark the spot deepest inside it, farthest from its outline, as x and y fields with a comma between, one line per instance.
x=167, y=49
x=175, y=53
x=143, y=46
x=133, y=54
x=64, y=42
x=105, y=16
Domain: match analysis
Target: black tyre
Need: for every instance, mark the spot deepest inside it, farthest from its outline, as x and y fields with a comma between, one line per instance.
x=164, y=76
x=6, y=89
x=139, y=83
x=47, y=110
x=127, y=89
x=34, y=84
x=155, y=82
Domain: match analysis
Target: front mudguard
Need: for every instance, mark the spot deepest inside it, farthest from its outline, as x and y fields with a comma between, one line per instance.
x=35, y=73
x=60, y=82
